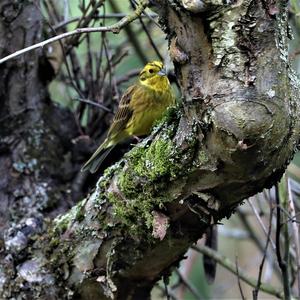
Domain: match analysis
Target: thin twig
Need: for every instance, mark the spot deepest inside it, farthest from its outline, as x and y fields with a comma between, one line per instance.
x=189, y=286
x=52, y=11
x=260, y=222
x=106, y=16
x=243, y=218
x=282, y=263
x=74, y=84
x=295, y=233
x=185, y=271
x=165, y=280
x=76, y=69
x=150, y=17
x=132, y=36
x=115, y=28
x=109, y=69
x=230, y=266
x=89, y=70
x=66, y=62
x=148, y=35
x=99, y=105
x=170, y=293
x=126, y=77
x=239, y=279
x=56, y=10
x=256, y=290
x=84, y=21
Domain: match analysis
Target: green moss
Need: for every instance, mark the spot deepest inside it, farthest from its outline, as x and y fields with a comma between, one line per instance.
x=136, y=212
x=135, y=199
x=62, y=223
x=156, y=161
x=202, y=157
x=171, y=116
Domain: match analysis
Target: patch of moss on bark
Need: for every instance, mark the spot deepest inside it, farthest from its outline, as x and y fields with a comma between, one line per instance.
x=135, y=200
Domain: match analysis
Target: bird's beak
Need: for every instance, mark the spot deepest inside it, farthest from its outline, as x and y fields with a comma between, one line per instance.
x=162, y=72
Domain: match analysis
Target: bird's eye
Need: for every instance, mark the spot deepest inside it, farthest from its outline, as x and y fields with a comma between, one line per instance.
x=151, y=71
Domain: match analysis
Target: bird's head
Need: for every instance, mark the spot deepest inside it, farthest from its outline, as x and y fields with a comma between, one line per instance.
x=152, y=74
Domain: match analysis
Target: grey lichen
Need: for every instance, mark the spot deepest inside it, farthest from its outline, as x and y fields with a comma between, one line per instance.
x=225, y=34
x=62, y=222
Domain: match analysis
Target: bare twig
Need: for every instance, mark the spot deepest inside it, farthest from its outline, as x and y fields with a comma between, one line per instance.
x=148, y=35
x=76, y=69
x=230, y=266
x=189, y=286
x=171, y=294
x=281, y=262
x=115, y=28
x=132, y=36
x=239, y=279
x=295, y=233
x=150, y=16
x=65, y=60
x=112, y=82
x=99, y=105
x=85, y=20
x=126, y=77
x=185, y=271
x=165, y=280
x=106, y=16
x=52, y=11
x=243, y=218
x=256, y=290
x=261, y=222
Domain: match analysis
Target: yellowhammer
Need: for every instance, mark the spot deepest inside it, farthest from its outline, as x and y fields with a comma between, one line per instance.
x=141, y=105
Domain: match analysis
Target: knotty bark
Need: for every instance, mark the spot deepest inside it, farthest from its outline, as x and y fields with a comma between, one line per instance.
x=233, y=135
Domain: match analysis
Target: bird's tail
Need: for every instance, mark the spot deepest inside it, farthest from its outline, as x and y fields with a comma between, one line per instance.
x=97, y=158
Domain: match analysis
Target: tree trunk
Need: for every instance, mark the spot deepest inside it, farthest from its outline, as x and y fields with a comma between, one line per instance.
x=233, y=135
x=34, y=133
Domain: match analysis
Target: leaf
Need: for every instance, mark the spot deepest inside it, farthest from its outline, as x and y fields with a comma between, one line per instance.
x=160, y=225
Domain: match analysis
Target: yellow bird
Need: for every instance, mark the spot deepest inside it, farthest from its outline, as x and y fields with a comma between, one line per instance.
x=141, y=105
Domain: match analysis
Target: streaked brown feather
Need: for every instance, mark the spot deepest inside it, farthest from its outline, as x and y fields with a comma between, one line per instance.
x=123, y=113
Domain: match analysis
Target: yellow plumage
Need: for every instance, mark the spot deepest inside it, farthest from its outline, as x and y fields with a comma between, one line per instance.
x=141, y=105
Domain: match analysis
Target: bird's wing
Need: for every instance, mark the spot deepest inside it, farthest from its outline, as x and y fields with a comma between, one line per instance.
x=123, y=113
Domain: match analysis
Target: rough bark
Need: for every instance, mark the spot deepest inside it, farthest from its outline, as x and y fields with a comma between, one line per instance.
x=233, y=135
x=34, y=133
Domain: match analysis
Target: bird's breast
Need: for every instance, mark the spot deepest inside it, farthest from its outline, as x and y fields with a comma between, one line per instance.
x=147, y=110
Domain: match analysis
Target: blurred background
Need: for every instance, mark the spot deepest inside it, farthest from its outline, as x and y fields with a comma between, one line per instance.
x=89, y=74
